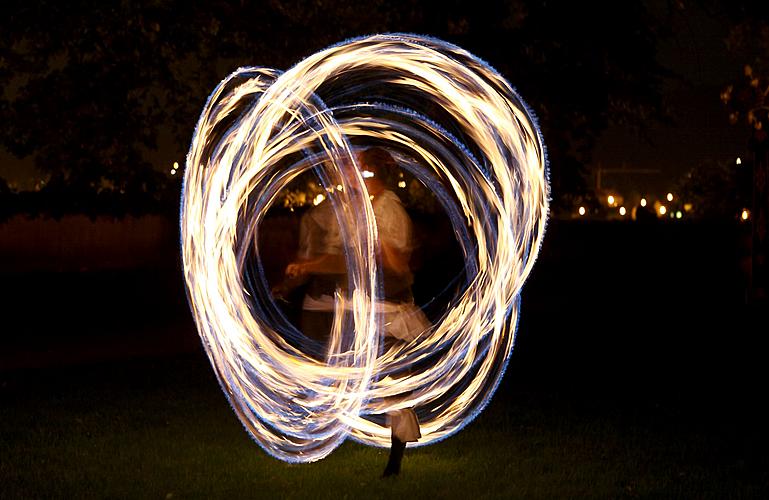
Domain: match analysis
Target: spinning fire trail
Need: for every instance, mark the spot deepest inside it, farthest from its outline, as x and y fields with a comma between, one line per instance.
x=473, y=143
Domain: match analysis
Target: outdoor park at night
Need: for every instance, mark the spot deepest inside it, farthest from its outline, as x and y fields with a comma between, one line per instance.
x=509, y=249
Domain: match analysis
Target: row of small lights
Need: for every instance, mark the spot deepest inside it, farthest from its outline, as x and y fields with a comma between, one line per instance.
x=623, y=211
x=745, y=215
x=582, y=211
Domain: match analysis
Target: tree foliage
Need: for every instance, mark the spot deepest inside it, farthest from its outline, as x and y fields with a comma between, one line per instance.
x=748, y=39
x=91, y=88
x=717, y=190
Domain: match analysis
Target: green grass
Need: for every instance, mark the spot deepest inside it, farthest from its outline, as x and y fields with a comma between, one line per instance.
x=162, y=429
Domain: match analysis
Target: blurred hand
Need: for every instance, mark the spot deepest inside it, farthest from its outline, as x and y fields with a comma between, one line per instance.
x=295, y=270
x=280, y=292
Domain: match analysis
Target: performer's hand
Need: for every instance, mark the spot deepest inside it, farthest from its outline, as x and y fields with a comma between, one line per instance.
x=278, y=291
x=295, y=270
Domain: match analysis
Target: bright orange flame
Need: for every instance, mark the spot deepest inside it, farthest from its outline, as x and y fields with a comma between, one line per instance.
x=297, y=407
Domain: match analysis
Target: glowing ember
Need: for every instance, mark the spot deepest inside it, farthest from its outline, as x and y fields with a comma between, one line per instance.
x=259, y=130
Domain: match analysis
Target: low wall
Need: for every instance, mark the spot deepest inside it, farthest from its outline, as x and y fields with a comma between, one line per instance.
x=78, y=243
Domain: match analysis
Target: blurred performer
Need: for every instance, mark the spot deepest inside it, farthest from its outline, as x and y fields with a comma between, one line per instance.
x=320, y=263
x=402, y=320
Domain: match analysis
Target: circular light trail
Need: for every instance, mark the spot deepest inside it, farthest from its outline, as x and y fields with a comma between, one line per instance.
x=472, y=141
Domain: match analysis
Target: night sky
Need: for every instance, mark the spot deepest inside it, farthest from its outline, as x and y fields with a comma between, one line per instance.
x=700, y=131
x=695, y=53
x=639, y=352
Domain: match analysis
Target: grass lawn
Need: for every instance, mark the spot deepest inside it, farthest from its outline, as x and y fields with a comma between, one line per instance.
x=637, y=373
x=161, y=428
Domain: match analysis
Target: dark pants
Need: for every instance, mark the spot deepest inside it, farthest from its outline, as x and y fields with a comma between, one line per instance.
x=317, y=324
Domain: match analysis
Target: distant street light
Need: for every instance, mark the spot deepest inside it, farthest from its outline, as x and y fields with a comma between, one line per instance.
x=663, y=210
x=582, y=211
x=670, y=196
x=679, y=214
x=745, y=214
x=611, y=200
x=622, y=211
x=643, y=202
x=739, y=161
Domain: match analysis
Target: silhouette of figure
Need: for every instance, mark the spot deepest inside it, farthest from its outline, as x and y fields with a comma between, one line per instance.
x=320, y=264
x=402, y=320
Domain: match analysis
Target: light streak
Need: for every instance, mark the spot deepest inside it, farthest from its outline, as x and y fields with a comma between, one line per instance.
x=489, y=174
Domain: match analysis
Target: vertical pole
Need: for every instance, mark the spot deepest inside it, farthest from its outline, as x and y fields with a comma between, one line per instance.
x=598, y=180
x=759, y=286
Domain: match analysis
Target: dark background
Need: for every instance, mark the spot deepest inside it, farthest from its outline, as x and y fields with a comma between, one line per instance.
x=622, y=321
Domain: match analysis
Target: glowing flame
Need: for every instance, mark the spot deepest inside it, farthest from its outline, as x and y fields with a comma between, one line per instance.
x=296, y=406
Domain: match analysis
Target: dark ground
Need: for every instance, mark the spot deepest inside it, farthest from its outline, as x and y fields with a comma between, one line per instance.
x=637, y=371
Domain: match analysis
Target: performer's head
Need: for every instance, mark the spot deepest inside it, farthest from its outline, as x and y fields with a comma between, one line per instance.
x=375, y=162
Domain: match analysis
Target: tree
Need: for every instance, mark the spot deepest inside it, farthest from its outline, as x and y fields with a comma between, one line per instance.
x=91, y=89
x=716, y=190
x=748, y=100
